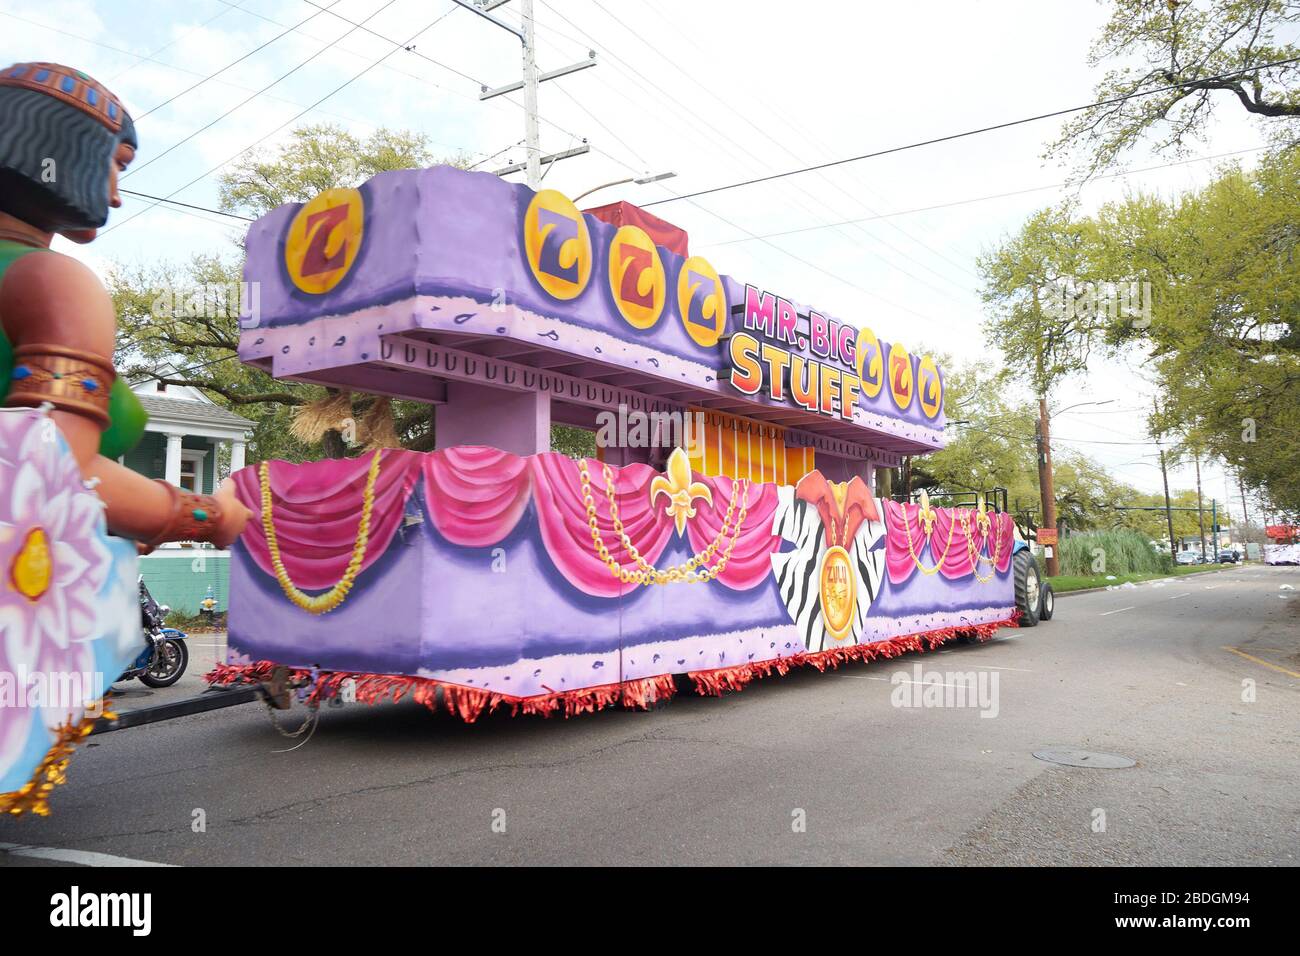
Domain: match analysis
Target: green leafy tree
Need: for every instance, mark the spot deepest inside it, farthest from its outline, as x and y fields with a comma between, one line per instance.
x=179, y=323
x=317, y=158
x=1186, y=44
x=1031, y=285
x=1224, y=334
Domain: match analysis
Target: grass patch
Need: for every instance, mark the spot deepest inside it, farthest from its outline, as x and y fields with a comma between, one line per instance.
x=196, y=622
x=1125, y=552
x=1079, y=582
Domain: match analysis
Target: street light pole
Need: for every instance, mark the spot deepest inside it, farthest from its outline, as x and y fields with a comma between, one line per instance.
x=623, y=182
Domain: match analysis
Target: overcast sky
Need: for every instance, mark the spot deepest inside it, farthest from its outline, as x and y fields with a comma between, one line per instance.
x=716, y=92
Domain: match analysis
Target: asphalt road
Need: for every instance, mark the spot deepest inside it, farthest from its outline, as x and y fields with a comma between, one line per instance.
x=1196, y=679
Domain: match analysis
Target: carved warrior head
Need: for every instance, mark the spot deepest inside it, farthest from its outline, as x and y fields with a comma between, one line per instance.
x=59, y=133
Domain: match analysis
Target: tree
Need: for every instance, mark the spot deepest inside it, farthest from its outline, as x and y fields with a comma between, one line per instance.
x=1224, y=336
x=1185, y=44
x=185, y=318
x=1042, y=303
x=994, y=447
x=175, y=325
x=317, y=158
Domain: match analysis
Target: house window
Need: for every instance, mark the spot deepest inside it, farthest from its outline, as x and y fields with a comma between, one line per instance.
x=190, y=474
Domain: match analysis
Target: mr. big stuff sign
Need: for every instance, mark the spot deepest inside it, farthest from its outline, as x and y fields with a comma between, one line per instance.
x=821, y=365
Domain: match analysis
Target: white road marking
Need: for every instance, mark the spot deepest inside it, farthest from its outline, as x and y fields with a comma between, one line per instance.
x=1117, y=610
x=1177, y=596
x=77, y=857
x=920, y=683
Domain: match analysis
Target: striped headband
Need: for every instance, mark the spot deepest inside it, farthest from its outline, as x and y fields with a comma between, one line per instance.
x=71, y=86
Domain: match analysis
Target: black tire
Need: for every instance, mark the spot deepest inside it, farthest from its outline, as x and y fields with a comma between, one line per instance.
x=1028, y=583
x=1047, y=605
x=168, y=664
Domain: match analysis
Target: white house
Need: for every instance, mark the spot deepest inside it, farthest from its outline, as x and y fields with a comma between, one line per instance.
x=194, y=443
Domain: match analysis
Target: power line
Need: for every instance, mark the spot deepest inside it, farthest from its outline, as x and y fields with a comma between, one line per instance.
x=141, y=57
x=362, y=26
x=249, y=99
x=975, y=199
x=172, y=42
x=780, y=143
x=291, y=119
x=805, y=262
x=256, y=49
x=177, y=202
x=704, y=128
x=973, y=132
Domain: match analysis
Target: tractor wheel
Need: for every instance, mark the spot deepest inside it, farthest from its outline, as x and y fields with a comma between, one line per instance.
x=1048, y=604
x=1028, y=587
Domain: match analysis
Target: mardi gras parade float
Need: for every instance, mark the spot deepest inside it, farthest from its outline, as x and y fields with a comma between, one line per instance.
x=727, y=528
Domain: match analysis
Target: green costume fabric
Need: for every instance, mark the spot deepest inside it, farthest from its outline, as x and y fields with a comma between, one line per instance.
x=127, y=416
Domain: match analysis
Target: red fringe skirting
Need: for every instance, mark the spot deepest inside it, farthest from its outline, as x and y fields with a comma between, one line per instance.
x=470, y=703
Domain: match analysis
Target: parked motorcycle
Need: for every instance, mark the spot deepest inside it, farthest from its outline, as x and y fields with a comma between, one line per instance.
x=165, y=656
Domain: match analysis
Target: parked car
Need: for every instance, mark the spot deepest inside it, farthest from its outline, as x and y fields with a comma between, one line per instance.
x=1228, y=557
x=1188, y=557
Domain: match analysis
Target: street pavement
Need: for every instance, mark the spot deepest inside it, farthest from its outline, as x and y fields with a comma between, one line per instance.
x=1196, y=679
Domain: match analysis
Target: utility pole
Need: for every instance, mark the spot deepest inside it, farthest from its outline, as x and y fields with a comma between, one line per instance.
x=1214, y=524
x=533, y=160
x=1245, y=516
x=1046, y=489
x=1200, y=514
x=532, y=138
x=1169, y=514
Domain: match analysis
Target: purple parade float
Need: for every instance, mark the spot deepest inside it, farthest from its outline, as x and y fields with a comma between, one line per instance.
x=727, y=528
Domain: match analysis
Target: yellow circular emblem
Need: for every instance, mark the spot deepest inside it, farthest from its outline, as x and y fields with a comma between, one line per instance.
x=839, y=593
x=324, y=239
x=701, y=301
x=870, y=363
x=636, y=277
x=557, y=244
x=929, y=388
x=901, y=382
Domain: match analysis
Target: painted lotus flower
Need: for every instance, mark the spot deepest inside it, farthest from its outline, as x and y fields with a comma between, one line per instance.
x=53, y=564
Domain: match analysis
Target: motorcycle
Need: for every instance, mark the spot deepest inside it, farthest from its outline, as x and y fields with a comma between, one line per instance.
x=165, y=656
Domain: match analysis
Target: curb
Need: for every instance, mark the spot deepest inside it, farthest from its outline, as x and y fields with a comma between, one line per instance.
x=1061, y=594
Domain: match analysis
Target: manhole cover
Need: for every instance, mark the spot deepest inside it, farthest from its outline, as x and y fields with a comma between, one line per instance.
x=1084, y=758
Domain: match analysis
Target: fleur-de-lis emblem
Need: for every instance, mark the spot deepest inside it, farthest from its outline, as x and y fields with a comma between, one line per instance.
x=982, y=519
x=926, y=514
x=679, y=488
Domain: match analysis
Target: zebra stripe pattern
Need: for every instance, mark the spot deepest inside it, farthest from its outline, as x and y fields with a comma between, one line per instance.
x=798, y=572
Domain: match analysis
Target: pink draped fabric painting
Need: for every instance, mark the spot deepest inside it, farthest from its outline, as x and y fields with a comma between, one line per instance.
x=316, y=509
x=751, y=558
x=957, y=546
x=567, y=533
x=475, y=494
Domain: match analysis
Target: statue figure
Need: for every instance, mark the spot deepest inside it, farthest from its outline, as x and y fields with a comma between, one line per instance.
x=64, y=139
